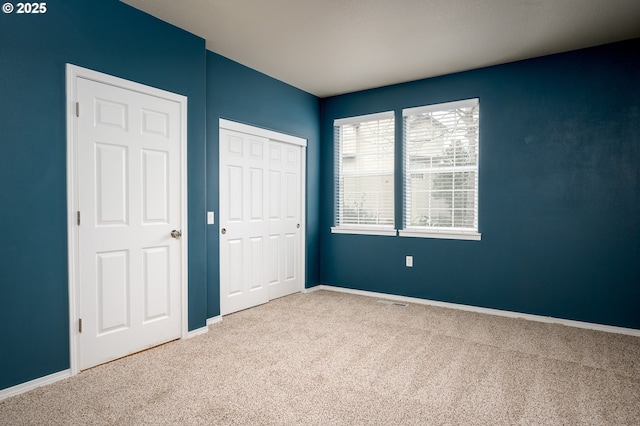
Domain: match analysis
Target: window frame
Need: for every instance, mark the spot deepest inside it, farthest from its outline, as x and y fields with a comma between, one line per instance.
x=362, y=229
x=421, y=231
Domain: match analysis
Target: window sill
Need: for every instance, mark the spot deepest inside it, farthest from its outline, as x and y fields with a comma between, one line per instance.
x=449, y=235
x=364, y=231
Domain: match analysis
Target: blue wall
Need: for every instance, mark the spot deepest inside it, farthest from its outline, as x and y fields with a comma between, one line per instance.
x=238, y=93
x=110, y=37
x=559, y=194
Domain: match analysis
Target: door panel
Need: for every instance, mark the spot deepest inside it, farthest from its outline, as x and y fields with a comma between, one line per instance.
x=111, y=183
x=274, y=259
x=155, y=187
x=275, y=184
x=284, y=218
x=243, y=274
x=157, y=283
x=113, y=291
x=129, y=196
x=256, y=264
x=234, y=197
x=256, y=191
x=235, y=281
x=290, y=257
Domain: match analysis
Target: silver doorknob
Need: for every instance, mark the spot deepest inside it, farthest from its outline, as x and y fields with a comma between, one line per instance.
x=176, y=234
x=223, y=230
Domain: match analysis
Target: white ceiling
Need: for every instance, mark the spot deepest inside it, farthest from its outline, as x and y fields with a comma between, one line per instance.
x=329, y=47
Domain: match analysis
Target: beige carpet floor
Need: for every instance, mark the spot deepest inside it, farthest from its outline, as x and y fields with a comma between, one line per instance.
x=328, y=358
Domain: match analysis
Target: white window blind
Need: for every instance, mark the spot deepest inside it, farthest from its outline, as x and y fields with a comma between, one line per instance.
x=364, y=178
x=441, y=145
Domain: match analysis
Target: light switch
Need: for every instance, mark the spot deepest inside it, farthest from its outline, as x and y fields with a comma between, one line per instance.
x=210, y=218
x=409, y=261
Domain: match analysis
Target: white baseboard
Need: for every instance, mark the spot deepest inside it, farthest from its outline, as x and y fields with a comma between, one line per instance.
x=214, y=320
x=36, y=383
x=510, y=314
x=197, y=332
x=205, y=329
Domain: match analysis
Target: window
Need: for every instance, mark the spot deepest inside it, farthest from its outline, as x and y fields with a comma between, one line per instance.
x=441, y=170
x=364, y=162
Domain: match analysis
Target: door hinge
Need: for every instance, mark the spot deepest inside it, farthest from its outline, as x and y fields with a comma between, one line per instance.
x=77, y=109
x=78, y=217
x=80, y=325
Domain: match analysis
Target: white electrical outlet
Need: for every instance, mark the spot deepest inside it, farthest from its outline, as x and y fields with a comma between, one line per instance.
x=409, y=261
x=210, y=218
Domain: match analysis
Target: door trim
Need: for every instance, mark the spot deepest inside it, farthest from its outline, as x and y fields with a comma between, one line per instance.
x=259, y=131
x=73, y=73
x=289, y=139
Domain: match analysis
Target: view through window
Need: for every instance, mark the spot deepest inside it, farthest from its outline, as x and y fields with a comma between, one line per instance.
x=441, y=167
x=365, y=171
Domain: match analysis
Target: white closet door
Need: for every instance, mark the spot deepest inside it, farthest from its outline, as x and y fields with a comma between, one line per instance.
x=243, y=221
x=261, y=219
x=284, y=219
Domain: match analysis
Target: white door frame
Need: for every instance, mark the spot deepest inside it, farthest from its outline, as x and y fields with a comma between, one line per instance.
x=289, y=139
x=73, y=73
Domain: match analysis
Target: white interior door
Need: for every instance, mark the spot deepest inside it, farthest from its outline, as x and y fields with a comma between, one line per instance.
x=243, y=223
x=284, y=219
x=129, y=147
x=261, y=217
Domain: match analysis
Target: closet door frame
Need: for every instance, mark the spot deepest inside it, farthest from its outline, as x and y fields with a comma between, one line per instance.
x=228, y=125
